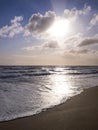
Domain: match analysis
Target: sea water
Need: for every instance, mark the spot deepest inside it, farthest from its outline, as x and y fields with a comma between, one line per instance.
x=28, y=90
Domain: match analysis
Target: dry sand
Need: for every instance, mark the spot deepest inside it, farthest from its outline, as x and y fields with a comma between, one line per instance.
x=78, y=113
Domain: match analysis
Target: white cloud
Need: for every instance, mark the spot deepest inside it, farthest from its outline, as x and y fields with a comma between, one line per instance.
x=75, y=13
x=17, y=19
x=85, y=10
x=94, y=21
x=13, y=29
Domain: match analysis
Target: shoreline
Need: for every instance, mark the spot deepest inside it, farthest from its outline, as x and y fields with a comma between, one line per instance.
x=43, y=110
x=77, y=113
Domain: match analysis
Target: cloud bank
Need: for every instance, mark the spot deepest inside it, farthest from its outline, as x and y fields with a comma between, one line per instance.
x=38, y=24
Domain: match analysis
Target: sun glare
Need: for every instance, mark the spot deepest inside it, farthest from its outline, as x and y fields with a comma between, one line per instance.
x=59, y=28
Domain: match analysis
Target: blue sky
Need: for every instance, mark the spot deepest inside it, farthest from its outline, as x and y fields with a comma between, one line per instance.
x=48, y=32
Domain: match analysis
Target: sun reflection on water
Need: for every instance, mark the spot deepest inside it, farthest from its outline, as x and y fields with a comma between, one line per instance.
x=61, y=85
x=58, y=89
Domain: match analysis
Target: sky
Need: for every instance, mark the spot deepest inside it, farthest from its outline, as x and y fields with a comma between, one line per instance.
x=48, y=32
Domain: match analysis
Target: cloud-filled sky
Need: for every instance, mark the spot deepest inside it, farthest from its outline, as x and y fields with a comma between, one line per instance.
x=49, y=32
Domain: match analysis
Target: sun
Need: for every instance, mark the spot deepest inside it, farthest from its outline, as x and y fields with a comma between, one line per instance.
x=59, y=28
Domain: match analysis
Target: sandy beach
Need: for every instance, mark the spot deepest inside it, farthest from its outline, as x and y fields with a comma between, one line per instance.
x=78, y=113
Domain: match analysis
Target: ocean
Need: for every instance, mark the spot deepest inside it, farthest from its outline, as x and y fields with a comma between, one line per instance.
x=28, y=90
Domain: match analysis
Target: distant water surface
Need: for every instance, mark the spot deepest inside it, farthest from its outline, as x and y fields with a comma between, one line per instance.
x=27, y=90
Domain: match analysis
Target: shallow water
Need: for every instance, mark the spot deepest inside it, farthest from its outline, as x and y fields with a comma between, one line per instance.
x=27, y=90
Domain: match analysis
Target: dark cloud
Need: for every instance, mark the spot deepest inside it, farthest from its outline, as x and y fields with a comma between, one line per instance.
x=90, y=41
x=50, y=44
x=39, y=23
x=77, y=51
x=42, y=47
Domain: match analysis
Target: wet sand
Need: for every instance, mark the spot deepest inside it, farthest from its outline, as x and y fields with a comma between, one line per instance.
x=78, y=113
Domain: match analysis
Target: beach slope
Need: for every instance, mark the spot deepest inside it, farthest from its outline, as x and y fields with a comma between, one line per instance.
x=78, y=113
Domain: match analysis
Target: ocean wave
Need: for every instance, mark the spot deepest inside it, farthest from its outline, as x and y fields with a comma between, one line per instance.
x=28, y=90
